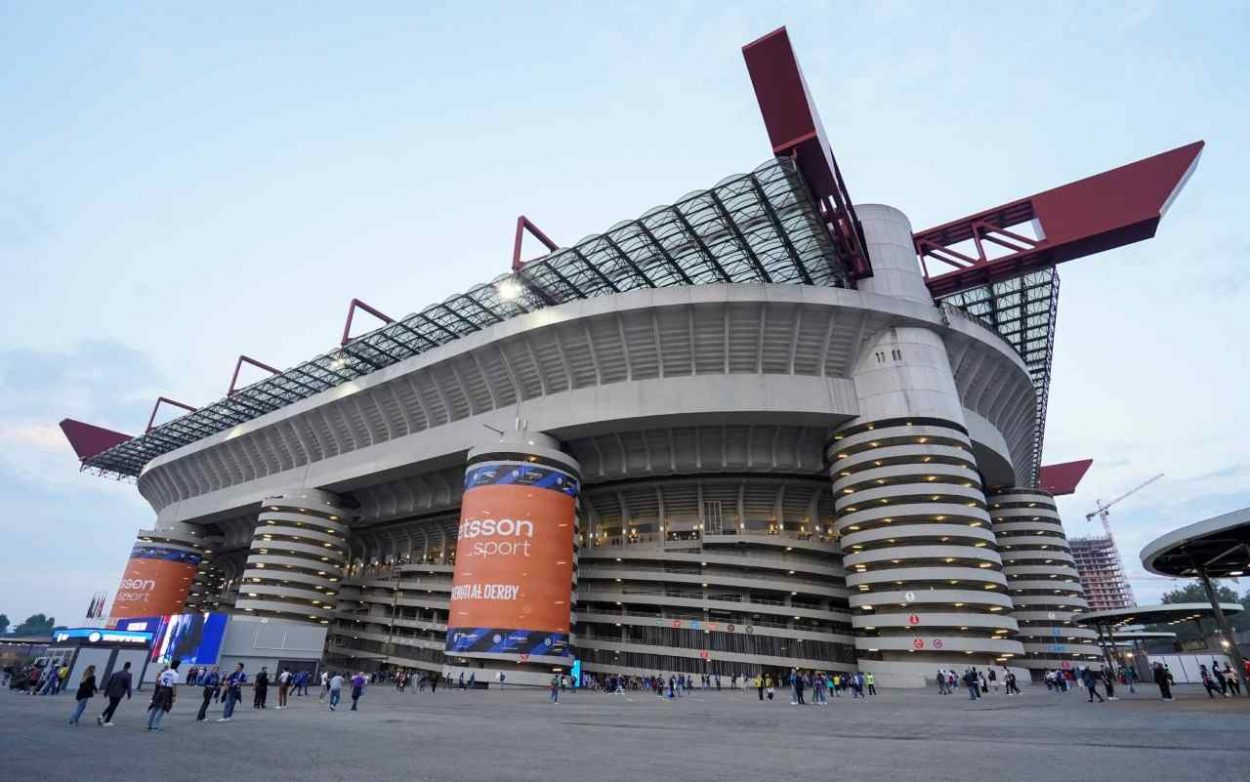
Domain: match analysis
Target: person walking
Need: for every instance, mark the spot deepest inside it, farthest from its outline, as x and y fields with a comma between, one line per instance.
x=117, y=685
x=1218, y=676
x=1234, y=683
x=1010, y=686
x=50, y=678
x=163, y=697
x=1163, y=678
x=209, y=682
x=86, y=691
x=872, y=684
x=1091, y=684
x=335, y=688
x=284, y=684
x=555, y=688
x=260, y=689
x=234, y=693
x=1207, y=681
x=325, y=685
x=1108, y=683
x=973, y=683
x=358, y=688
x=62, y=678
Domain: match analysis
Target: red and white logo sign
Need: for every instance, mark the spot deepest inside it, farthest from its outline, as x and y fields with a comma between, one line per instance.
x=914, y=619
x=675, y=623
x=918, y=643
x=712, y=625
x=937, y=643
x=704, y=654
x=1067, y=666
x=523, y=657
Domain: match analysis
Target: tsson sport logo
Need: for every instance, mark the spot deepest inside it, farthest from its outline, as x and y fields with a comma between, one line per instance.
x=135, y=589
x=520, y=532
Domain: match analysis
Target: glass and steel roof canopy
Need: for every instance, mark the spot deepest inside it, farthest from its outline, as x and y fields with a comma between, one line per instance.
x=756, y=227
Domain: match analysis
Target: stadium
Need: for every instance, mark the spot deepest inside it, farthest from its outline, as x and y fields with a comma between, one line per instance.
x=757, y=429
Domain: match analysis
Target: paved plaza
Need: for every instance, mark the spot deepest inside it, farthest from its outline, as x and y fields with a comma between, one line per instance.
x=518, y=735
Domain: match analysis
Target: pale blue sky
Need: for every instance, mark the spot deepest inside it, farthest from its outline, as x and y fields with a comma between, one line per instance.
x=180, y=186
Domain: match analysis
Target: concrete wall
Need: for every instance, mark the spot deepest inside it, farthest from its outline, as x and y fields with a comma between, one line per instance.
x=258, y=642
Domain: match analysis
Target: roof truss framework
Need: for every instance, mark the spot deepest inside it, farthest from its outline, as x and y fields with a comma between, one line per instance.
x=1022, y=310
x=756, y=227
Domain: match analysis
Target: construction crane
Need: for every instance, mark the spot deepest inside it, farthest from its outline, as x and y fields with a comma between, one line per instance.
x=1103, y=510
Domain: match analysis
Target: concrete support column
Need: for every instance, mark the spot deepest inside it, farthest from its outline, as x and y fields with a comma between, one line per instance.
x=163, y=565
x=298, y=553
x=1042, y=580
x=927, y=584
x=516, y=562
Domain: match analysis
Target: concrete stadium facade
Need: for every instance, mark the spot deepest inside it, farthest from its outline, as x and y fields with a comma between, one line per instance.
x=776, y=439
x=773, y=476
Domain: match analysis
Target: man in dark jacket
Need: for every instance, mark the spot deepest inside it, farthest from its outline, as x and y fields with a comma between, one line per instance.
x=210, y=682
x=260, y=688
x=118, y=684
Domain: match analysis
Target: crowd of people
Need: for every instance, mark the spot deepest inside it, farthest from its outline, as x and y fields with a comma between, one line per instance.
x=215, y=688
x=226, y=689
x=50, y=678
x=1225, y=682
x=977, y=683
x=800, y=684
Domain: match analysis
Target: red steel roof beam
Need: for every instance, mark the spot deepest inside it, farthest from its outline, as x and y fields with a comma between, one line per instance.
x=351, y=311
x=157, y=406
x=795, y=130
x=239, y=365
x=89, y=440
x=523, y=224
x=1102, y=212
x=1061, y=479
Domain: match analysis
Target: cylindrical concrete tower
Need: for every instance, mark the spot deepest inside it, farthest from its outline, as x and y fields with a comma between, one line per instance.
x=162, y=567
x=299, y=549
x=516, y=562
x=1042, y=579
x=927, y=585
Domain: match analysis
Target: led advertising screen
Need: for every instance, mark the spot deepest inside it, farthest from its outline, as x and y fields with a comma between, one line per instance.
x=193, y=638
x=156, y=581
x=512, y=588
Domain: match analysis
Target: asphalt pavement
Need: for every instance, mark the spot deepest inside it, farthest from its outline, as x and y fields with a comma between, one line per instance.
x=518, y=735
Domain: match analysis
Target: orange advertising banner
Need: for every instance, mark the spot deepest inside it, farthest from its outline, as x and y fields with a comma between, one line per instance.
x=514, y=559
x=156, y=583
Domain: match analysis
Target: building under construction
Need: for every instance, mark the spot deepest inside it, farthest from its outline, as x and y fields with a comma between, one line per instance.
x=1102, y=573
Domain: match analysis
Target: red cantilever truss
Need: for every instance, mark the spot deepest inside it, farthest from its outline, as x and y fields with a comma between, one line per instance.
x=1061, y=479
x=1111, y=209
x=795, y=130
x=88, y=440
